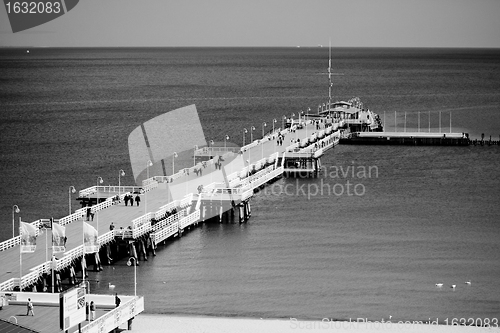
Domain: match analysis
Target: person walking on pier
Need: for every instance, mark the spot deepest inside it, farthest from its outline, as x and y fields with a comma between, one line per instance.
x=30, y=308
x=92, y=311
x=126, y=199
x=137, y=200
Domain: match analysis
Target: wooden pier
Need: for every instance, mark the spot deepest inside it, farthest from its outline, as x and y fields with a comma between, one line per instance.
x=218, y=188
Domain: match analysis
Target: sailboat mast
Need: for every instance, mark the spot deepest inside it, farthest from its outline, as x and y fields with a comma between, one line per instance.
x=329, y=74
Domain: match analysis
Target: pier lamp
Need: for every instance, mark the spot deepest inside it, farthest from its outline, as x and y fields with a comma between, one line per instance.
x=211, y=144
x=244, y=136
x=174, y=156
x=194, y=154
x=429, y=121
x=71, y=189
x=274, y=122
x=225, y=138
x=262, y=143
x=15, y=209
x=121, y=173
x=99, y=181
x=440, y=121
x=148, y=164
x=129, y=263
x=283, y=121
x=251, y=133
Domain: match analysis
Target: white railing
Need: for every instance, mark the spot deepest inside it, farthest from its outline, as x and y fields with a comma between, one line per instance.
x=110, y=189
x=148, y=181
x=106, y=238
x=163, y=179
x=151, y=185
x=116, y=317
x=190, y=219
x=69, y=257
x=141, y=230
x=73, y=217
x=171, y=205
x=166, y=232
x=265, y=177
x=8, y=285
x=10, y=243
x=245, y=182
x=169, y=220
x=235, y=182
x=186, y=202
x=87, y=191
x=216, y=150
x=142, y=219
x=232, y=176
x=247, y=194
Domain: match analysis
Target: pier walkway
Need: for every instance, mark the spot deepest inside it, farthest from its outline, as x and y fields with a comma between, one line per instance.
x=169, y=204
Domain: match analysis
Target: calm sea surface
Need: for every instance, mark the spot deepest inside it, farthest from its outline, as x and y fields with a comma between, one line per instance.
x=370, y=237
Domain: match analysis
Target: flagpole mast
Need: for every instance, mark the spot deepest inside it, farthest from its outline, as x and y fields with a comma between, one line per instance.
x=20, y=261
x=53, y=259
x=84, y=264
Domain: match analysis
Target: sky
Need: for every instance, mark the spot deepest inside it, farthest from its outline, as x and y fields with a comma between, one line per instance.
x=347, y=23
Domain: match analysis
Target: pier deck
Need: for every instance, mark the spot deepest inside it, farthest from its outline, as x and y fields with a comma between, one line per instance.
x=244, y=171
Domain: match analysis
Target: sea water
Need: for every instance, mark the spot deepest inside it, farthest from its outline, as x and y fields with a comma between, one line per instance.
x=368, y=238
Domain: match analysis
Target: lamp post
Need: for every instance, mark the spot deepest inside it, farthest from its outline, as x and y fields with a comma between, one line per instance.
x=283, y=122
x=429, y=121
x=450, y=121
x=225, y=138
x=120, y=174
x=251, y=133
x=194, y=154
x=262, y=143
x=174, y=156
x=129, y=263
x=211, y=147
x=70, y=190
x=99, y=181
x=385, y=125
x=15, y=209
x=244, y=136
x=149, y=163
x=439, y=121
x=274, y=122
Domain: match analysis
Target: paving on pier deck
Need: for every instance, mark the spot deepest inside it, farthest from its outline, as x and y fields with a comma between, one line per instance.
x=122, y=215
x=45, y=320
